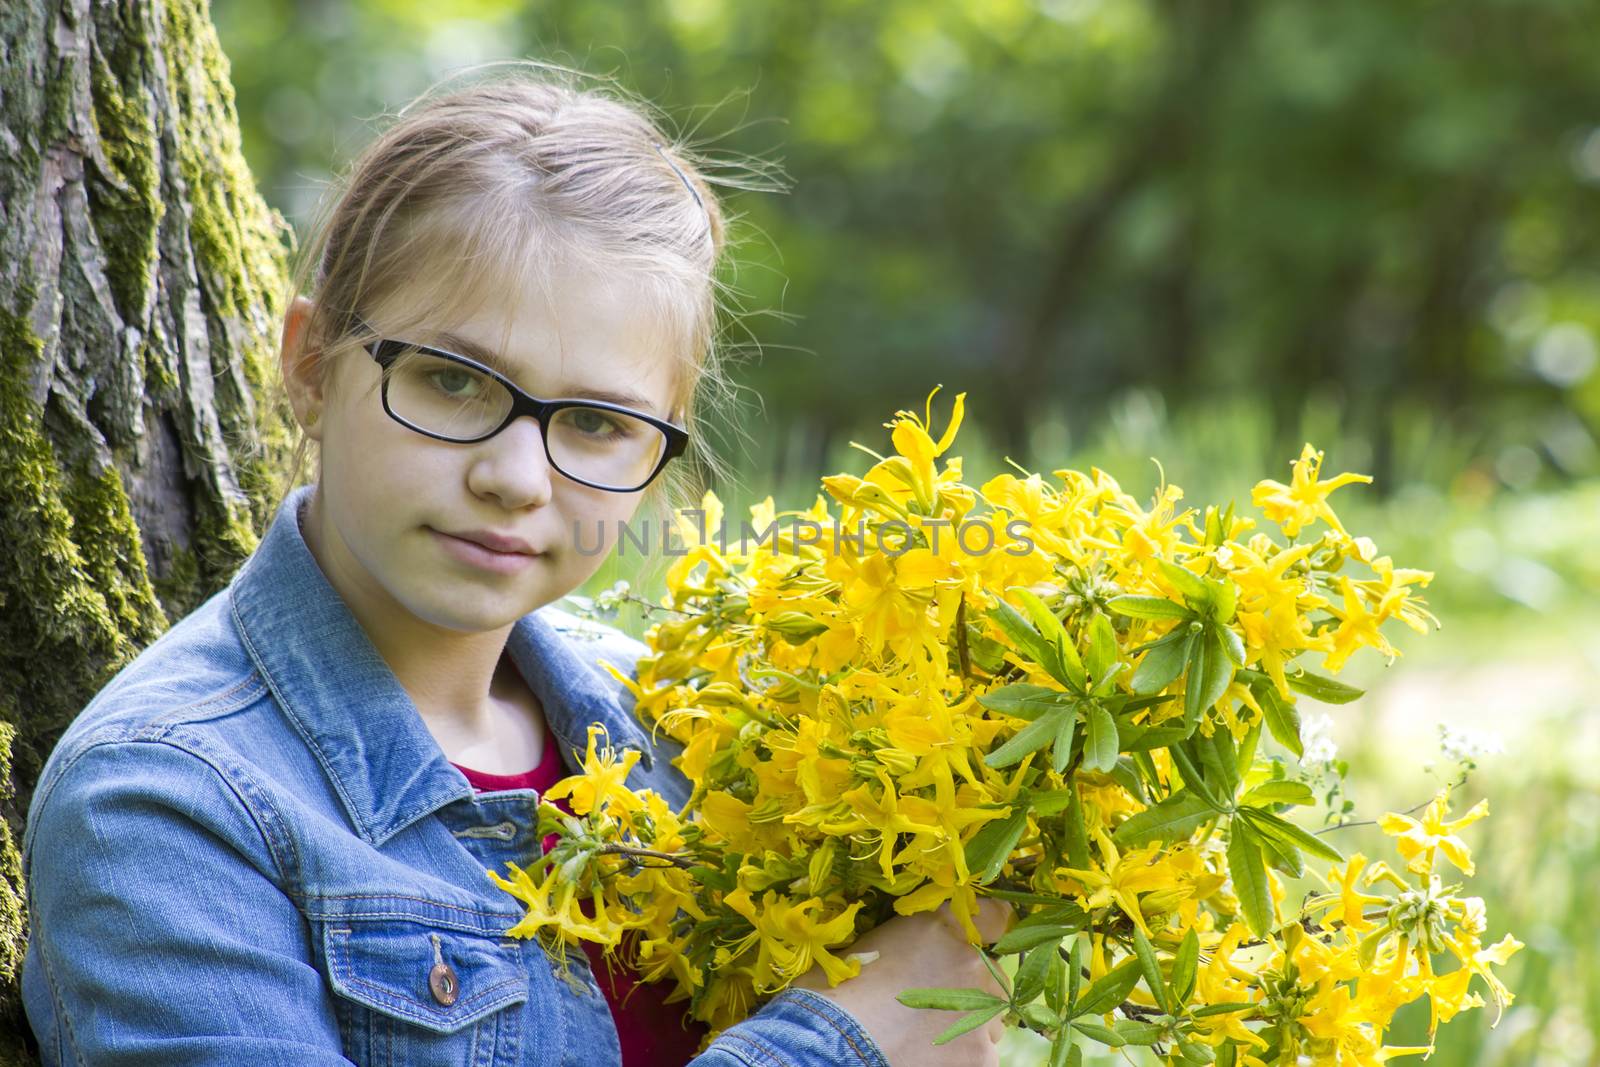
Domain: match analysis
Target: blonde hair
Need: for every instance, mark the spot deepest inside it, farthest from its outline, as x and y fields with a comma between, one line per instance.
x=485, y=187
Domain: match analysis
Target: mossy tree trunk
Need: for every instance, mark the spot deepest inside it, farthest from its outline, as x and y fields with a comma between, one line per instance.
x=141, y=277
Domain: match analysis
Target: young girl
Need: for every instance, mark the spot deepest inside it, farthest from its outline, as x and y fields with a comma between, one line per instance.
x=266, y=840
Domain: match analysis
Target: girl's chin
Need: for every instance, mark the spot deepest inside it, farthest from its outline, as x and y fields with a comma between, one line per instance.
x=470, y=611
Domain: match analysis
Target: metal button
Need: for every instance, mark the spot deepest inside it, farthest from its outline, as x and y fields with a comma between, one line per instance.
x=442, y=980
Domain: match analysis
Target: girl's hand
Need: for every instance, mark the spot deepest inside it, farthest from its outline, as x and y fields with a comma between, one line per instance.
x=916, y=951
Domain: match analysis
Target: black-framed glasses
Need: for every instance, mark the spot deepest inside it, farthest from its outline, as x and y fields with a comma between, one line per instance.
x=452, y=398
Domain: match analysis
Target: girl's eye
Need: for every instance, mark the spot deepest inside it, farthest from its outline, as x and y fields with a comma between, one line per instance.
x=595, y=423
x=457, y=384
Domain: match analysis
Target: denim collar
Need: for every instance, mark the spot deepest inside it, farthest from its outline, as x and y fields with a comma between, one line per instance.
x=345, y=702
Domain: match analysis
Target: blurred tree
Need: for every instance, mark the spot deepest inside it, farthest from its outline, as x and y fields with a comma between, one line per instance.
x=141, y=278
x=1385, y=213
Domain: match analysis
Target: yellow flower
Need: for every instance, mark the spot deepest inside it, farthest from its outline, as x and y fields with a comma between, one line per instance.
x=790, y=937
x=1305, y=499
x=913, y=441
x=1350, y=902
x=1124, y=877
x=553, y=905
x=602, y=781
x=1418, y=842
x=825, y=686
x=1357, y=627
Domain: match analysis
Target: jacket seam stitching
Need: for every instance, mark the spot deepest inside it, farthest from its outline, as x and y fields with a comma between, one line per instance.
x=765, y=1054
x=402, y=1008
x=841, y=1031
x=228, y=786
x=296, y=724
x=62, y=1020
x=218, y=702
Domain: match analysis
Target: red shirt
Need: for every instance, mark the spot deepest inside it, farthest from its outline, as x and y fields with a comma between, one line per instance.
x=653, y=1033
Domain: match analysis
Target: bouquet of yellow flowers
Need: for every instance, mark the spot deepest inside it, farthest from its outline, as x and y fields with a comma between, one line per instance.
x=917, y=691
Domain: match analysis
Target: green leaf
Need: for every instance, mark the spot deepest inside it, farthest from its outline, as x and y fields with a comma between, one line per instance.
x=1163, y=662
x=1326, y=690
x=1283, y=719
x=1111, y=990
x=1022, y=938
x=1027, y=639
x=1224, y=601
x=1031, y=738
x=1186, y=582
x=1220, y=758
x=1193, y=778
x=1184, y=967
x=1103, y=1034
x=949, y=999
x=1039, y=1017
x=1232, y=644
x=1209, y=1010
x=1148, y=607
x=991, y=846
x=1029, y=982
x=1063, y=1053
x=1282, y=855
x=1126, y=774
x=1249, y=877
x=969, y=1023
x=1136, y=1033
x=1174, y=819
x=1102, y=655
x=1012, y=896
x=1150, y=967
x=1276, y=826
x=1074, y=970
x=1247, y=748
x=1055, y=982
x=1050, y=802
x=1053, y=633
x=1077, y=833
x=1061, y=749
x=1101, y=744
x=1210, y=671
x=1023, y=701
x=1137, y=737
x=1195, y=1052
x=1281, y=791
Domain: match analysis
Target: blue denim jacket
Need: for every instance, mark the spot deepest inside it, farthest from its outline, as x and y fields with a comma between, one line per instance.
x=248, y=849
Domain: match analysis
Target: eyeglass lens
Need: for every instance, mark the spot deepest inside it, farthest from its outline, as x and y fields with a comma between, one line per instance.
x=596, y=445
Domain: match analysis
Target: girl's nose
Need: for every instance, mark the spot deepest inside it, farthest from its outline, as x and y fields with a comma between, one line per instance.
x=512, y=467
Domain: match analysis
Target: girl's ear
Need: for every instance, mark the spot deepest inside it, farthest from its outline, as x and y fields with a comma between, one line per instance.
x=303, y=368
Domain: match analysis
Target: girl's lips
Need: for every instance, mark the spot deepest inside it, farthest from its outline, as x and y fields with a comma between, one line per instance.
x=476, y=555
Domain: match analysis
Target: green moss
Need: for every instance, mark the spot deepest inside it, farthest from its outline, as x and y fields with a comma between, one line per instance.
x=242, y=252
x=125, y=205
x=114, y=557
x=76, y=598
x=60, y=637
x=13, y=916
x=50, y=608
x=182, y=588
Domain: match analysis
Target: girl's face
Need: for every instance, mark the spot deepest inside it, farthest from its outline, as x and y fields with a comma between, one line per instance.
x=398, y=509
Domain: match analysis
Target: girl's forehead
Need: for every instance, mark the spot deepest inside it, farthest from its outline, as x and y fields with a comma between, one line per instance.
x=588, y=333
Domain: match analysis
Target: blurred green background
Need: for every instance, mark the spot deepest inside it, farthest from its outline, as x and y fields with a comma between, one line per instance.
x=1203, y=232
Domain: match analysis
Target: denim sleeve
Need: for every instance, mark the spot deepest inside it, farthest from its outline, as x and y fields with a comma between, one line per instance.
x=159, y=922
x=797, y=1028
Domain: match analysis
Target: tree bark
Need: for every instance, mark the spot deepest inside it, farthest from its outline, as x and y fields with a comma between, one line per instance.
x=141, y=281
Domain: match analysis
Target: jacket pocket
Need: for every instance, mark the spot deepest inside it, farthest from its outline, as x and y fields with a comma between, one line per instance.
x=410, y=991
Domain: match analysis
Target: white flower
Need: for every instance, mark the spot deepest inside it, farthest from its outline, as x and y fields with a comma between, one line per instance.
x=1316, y=739
x=1463, y=743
